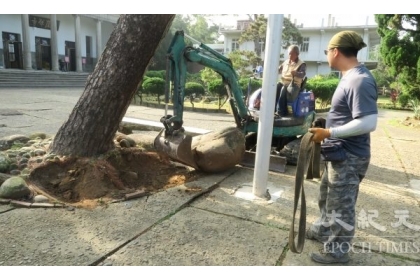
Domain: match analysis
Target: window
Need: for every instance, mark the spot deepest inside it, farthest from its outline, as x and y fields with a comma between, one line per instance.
x=13, y=37
x=305, y=45
x=262, y=46
x=334, y=73
x=235, y=44
x=42, y=41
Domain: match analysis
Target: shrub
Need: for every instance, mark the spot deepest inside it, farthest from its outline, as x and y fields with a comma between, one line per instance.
x=154, y=86
x=415, y=104
x=217, y=87
x=192, y=87
x=156, y=74
x=140, y=85
x=403, y=99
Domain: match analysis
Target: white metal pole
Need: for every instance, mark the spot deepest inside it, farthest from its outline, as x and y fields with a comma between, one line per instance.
x=268, y=97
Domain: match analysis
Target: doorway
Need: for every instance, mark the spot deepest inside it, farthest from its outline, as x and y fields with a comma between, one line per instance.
x=12, y=50
x=43, y=53
x=70, y=52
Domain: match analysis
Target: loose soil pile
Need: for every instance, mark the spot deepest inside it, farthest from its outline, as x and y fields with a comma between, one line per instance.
x=88, y=182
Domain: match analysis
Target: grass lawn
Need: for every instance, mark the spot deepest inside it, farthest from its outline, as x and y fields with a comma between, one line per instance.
x=385, y=101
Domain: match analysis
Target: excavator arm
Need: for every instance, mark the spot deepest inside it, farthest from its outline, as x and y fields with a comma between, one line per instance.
x=179, y=55
x=173, y=141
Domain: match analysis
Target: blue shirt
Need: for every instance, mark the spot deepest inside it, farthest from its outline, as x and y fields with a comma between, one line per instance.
x=355, y=96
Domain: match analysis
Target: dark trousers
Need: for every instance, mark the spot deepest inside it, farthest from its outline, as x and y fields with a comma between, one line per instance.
x=282, y=102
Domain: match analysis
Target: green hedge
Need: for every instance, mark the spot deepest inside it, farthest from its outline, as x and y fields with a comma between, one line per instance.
x=255, y=84
x=322, y=89
x=156, y=74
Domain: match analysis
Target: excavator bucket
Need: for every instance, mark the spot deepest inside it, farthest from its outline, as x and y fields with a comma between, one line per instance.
x=277, y=163
x=176, y=147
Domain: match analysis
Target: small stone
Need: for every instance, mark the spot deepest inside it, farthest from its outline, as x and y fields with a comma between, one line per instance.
x=25, y=171
x=15, y=172
x=14, y=188
x=23, y=160
x=39, y=152
x=124, y=143
x=4, y=162
x=40, y=199
x=13, y=166
x=22, y=166
x=38, y=136
x=136, y=194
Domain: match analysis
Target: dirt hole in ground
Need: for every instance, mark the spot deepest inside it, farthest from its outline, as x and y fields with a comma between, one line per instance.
x=88, y=182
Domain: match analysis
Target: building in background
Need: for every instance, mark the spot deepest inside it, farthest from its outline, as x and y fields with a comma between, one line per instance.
x=315, y=41
x=54, y=42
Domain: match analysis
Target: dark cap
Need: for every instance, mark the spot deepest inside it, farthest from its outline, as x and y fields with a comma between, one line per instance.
x=347, y=39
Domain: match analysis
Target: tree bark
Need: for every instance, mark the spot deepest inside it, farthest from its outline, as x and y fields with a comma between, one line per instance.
x=92, y=124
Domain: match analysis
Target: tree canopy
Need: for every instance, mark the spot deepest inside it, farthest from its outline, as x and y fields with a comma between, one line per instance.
x=257, y=31
x=381, y=74
x=195, y=26
x=400, y=49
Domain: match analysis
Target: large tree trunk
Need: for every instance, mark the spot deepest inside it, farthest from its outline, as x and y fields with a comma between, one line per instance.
x=91, y=126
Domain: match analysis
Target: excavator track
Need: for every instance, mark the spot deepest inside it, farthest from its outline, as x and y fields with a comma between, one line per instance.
x=277, y=163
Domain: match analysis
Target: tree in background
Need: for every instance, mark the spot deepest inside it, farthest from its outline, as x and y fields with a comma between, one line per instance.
x=158, y=61
x=200, y=29
x=382, y=75
x=218, y=88
x=257, y=30
x=400, y=49
x=241, y=60
x=207, y=75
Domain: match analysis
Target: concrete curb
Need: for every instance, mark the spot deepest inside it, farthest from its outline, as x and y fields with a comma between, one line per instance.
x=195, y=109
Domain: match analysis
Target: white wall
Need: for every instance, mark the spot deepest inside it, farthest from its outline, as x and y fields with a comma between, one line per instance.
x=11, y=23
x=107, y=28
x=66, y=32
x=319, y=38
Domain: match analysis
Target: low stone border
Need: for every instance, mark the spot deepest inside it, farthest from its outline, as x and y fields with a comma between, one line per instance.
x=24, y=204
x=130, y=196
